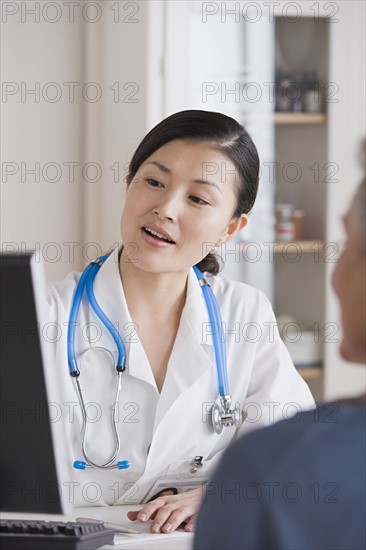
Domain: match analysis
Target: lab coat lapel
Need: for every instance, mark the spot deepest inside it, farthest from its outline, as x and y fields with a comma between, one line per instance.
x=191, y=357
x=192, y=351
x=108, y=291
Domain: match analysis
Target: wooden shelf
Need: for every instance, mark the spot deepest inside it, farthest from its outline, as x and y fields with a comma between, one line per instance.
x=300, y=118
x=314, y=373
x=305, y=246
x=278, y=247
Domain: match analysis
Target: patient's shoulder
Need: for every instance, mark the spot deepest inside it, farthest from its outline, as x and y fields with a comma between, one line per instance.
x=332, y=433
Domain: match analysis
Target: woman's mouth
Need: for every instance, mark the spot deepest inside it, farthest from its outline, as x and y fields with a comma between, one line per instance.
x=153, y=235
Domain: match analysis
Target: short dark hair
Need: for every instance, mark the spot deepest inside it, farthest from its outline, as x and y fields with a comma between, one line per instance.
x=221, y=133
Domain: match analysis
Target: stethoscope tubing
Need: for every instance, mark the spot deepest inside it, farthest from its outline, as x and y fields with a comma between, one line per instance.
x=86, y=282
x=89, y=462
x=73, y=367
x=121, y=361
x=217, y=333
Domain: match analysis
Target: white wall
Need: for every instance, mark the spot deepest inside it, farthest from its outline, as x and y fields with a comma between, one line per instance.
x=36, y=130
x=118, y=51
x=128, y=54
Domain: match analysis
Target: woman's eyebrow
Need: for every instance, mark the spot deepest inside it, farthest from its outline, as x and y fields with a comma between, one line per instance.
x=208, y=183
x=165, y=169
x=162, y=167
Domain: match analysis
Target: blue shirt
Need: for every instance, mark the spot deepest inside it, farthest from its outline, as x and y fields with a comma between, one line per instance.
x=299, y=484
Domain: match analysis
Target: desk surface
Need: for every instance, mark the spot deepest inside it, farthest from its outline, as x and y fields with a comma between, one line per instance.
x=115, y=514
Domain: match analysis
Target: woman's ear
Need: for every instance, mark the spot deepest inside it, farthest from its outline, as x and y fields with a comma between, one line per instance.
x=233, y=228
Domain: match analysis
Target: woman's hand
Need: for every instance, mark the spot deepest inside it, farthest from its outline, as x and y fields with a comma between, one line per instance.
x=168, y=512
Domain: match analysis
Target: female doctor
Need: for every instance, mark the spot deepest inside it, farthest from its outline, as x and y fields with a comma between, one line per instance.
x=191, y=183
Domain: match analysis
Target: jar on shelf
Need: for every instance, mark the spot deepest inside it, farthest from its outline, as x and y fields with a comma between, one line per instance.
x=298, y=218
x=313, y=102
x=283, y=97
x=289, y=97
x=285, y=228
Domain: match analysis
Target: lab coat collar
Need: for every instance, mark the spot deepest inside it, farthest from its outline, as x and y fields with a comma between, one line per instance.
x=195, y=312
x=109, y=294
x=192, y=350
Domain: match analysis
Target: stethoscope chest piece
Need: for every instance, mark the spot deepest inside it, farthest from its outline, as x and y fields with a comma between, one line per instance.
x=222, y=416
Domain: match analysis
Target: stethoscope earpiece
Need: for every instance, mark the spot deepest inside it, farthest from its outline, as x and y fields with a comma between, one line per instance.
x=81, y=465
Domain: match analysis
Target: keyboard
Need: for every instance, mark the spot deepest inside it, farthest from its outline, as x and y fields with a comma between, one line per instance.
x=49, y=535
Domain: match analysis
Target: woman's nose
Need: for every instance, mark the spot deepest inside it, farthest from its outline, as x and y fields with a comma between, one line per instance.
x=160, y=214
x=167, y=208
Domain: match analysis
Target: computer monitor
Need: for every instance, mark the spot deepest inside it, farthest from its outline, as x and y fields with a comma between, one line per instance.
x=32, y=439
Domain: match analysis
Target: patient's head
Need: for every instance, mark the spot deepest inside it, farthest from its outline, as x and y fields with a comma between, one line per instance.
x=349, y=280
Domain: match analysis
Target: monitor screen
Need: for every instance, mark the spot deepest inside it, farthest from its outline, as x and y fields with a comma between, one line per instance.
x=32, y=442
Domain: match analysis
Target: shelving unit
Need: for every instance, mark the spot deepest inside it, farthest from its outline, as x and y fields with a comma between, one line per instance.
x=300, y=149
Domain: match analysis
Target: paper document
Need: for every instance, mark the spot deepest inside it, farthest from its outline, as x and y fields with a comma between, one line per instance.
x=144, y=534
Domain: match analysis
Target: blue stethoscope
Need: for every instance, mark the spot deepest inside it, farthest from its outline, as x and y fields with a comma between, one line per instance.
x=221, y=414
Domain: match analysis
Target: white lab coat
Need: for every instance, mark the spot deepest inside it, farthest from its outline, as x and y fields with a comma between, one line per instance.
x=162, y=432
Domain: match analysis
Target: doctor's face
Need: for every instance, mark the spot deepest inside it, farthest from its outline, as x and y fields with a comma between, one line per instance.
x=178, y=206
x=348, y=281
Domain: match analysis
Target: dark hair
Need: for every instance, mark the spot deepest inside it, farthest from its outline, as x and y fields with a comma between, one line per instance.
x=223, y=134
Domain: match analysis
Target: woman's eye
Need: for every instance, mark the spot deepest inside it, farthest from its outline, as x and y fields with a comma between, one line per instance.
x=153, y=183
x=197, y=200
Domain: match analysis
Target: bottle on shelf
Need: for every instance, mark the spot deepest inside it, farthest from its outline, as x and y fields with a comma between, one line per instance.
x=313, y=102
x=297, y=219
x=285, y=227
x=289, y=94
x=298, y=92
x=305, y=350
